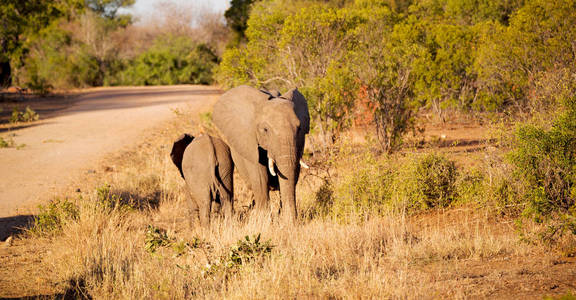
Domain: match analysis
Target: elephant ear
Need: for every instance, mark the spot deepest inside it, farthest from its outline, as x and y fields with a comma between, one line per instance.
x=235, y=114
x=300, y=108
x=178, y=149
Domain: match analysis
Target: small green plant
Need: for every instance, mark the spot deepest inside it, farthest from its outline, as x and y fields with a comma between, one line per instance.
x=110, y=201
x=6, y=143
x=248, y=250
x=245, y=251
x=28, y=115
x=156, y=238
x=51, y=217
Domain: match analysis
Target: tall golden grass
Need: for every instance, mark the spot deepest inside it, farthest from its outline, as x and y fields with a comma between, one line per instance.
x=102, y=252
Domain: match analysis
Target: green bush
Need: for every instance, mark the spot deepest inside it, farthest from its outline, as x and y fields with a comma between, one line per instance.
x=171, y=60
x=28, y=115
x=380, y=185
x=545, y=161
x=366, y=190
x=428, y=181
x=470, y=187
x=156, y=238
x=51, y=217
x=6, y=142
x=107, y=201
x=244, y=252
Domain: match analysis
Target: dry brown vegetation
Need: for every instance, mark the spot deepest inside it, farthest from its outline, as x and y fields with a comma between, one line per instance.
x=134, y=240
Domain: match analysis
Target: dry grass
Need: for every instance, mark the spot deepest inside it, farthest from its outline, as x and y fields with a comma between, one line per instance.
x=102, y=253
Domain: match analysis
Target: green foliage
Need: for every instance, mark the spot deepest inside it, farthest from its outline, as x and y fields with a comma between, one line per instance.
x=380, y=185
x=402, y=56
x=58, y=59
x=470, y=186
x=366, y=191
x=538, y=40
x=545, y=161
x=6, y=143
x=155, y=239
x=428, y=181
x=108, y=201
x=28, y=115
x=171, y=60
x=244, y=252
x=324, y=197
x=51, y=217
x=108, y=8
x=237, y=17
x=80, y=49
x=23, y=20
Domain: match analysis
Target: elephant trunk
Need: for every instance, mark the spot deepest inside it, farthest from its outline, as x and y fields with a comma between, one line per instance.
x=287, y=166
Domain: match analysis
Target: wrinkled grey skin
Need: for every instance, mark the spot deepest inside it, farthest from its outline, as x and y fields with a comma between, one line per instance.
x=259, y=126
x=206, y=165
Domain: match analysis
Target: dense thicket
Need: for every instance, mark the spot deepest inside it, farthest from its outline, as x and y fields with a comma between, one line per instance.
x=77, y=43
x=389, y=59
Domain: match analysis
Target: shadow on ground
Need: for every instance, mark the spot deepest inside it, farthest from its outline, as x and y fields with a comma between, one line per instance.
x=11, y=226
x=77, y=290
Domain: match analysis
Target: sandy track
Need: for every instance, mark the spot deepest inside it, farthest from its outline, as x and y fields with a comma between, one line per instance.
x=59, y=149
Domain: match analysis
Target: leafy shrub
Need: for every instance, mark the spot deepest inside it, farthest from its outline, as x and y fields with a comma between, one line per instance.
x=28, y=115
x=171, y=60
x=156, y=238
x=6, y=143
x=376, y=186
x=470, y=187
x=245, y=251
x=108, y=201
x=51, y=217
x=39, y=85
x=324, y=200
x=428, y=181
x=366, y=190
x=545, y=161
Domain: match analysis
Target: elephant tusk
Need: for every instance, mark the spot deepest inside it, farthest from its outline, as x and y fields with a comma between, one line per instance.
x=304, y=165
x=271, y=166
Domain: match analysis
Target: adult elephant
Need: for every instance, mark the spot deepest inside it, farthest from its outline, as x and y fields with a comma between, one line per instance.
x=266, y=134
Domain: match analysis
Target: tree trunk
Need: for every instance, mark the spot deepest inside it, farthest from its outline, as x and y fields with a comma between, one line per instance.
x=5, y=74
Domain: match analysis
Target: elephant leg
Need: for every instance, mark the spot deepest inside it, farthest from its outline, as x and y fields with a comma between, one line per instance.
x=256, y=176
x=205, y=203
x=193, y=209
x=259, y=181
x=227, y=207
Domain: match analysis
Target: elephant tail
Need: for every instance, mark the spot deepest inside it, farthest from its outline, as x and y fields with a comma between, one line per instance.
x=178, y=150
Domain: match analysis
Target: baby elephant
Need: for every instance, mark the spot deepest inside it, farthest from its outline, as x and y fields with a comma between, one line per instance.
x=206, y=165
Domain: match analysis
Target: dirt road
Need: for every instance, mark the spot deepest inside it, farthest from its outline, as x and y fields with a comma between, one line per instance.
x=102, y=121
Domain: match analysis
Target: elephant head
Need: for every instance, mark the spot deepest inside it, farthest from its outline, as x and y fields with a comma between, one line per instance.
x=266, y=130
